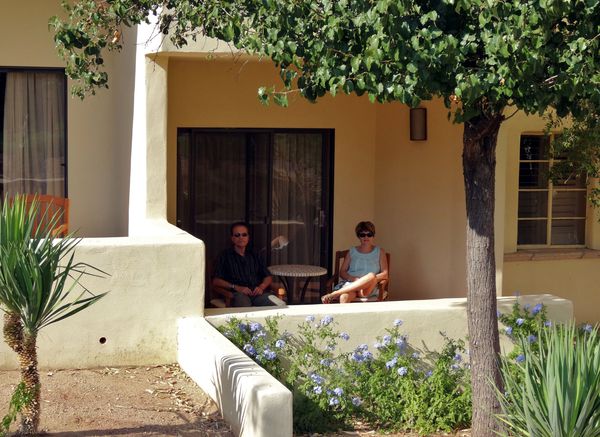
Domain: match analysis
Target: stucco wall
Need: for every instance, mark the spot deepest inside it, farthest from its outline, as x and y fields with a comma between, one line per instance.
x=219, y=93
x=99, y=128
x=420, y=203
x=154, y=280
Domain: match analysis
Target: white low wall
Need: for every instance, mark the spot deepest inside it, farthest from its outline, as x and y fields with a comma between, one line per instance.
x=153, y=282
x=422, y=319
x=253, y=402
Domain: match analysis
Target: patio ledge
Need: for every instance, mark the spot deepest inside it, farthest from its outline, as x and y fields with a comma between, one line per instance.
x=253, y=403
x=551, y=254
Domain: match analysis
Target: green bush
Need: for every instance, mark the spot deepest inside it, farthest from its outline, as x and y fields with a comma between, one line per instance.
x=554, y=388
x=393, y=388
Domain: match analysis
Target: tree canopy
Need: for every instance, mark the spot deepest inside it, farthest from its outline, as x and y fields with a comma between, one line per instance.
x=486, y=55
x=480, y=56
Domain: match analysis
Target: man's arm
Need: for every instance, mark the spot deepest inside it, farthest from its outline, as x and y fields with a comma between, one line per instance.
x=220, y=282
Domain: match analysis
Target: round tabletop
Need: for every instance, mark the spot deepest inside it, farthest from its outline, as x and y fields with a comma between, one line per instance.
x=297, y=270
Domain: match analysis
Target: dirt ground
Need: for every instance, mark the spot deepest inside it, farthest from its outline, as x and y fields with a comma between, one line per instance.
x=139, y=401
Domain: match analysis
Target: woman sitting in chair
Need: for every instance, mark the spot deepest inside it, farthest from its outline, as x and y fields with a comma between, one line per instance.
x=362, y=269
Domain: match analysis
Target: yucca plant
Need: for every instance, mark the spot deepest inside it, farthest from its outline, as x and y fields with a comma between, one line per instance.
x=40, y=284
x=554, y=391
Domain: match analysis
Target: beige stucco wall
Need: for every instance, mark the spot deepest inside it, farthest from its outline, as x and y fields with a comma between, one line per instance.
x=551, y=272
x=99, y=128
x=575, y=279
x=219, y=93
x=420, y=203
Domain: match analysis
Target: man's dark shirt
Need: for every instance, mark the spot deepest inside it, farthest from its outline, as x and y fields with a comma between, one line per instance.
x=246, y=271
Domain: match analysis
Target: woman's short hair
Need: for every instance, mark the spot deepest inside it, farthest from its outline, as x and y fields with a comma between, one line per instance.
x=365, y=227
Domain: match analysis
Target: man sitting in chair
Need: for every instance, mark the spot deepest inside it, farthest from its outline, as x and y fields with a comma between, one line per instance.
x=241, y=271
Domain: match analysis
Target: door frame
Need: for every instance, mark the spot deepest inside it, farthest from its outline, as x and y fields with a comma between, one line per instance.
x=327, y=189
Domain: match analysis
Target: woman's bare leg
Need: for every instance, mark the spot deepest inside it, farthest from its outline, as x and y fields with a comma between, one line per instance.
x=362, y=286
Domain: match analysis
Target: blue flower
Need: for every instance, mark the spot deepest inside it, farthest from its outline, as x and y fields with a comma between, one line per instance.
x=330, y=347
x=526, y=307
x=391, y=363
x=316, y=378
x=356, y=401
x=401, y=342
x=547, y=323
x=457, y=357
x=269, y=354
x=326, y=320
x=249, y=349
x=255, y=326
x=326, y=362
x=357, y=356
x=508, y=330
x=415, y=355
x=402, y=371
x=531, y=338
x=454, y=367
x=259, y=334
x=536, y=309
x=520, y=321
x=318, y=389
x=587, y=328
x=429, y=373
x=310, y=318
x=344, y=336
x=338, y=391
x=334, y=401
x=378, y=346
x=387, y=339
x=362, y=347
x=520, y=358
x=398, y=322
x=280, y=343
x=242, y=326
x=498, y=313
x=368, y=355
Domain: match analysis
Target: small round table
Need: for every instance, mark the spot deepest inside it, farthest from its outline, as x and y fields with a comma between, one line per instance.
x=293, y=271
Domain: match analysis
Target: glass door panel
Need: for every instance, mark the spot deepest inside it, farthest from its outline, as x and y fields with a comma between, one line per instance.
x=277, y=181
x=297, y=198
x=219, y=187
x=257, y=203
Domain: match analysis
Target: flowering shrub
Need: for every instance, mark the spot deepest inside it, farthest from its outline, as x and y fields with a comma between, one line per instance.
x=523, y=322
x=262, y=344
x=389, y=384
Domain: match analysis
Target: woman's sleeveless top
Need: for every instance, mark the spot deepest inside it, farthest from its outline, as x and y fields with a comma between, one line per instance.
x=363, y=263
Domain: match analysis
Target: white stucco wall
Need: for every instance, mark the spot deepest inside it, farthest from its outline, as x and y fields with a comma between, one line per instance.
x=154, y=280
x=423, y=320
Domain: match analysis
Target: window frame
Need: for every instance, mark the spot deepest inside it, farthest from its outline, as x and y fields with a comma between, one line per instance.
x=12, y=69
x=550, y=189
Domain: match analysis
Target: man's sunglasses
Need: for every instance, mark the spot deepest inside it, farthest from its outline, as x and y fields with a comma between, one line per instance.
x=240, y=234
x=365, y=234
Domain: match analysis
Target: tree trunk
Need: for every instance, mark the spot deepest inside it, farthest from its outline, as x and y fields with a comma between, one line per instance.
x=30, y=414
x=479, y=163
x=13, y=331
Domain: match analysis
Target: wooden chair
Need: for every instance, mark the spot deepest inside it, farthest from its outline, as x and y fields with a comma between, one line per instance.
x=340, y=255
x=49, y=207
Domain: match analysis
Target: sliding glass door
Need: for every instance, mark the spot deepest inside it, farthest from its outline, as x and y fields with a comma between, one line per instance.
x=279, y=181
